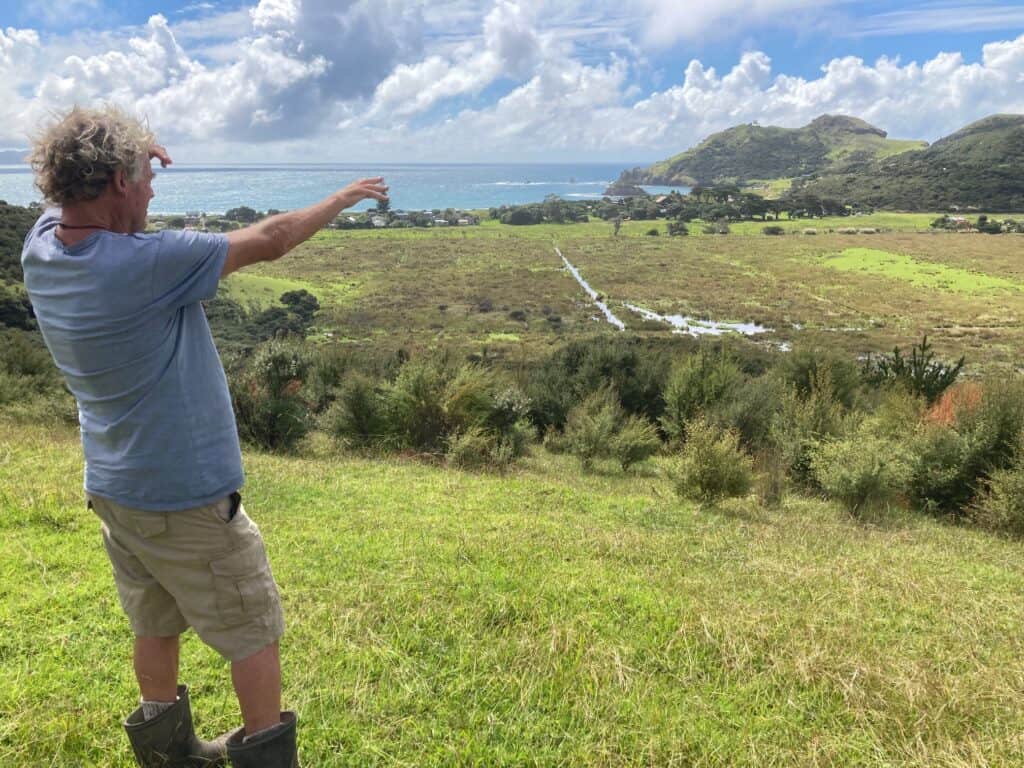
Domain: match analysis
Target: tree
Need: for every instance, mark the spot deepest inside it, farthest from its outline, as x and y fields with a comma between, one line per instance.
x=383, y=206
x=243, y=213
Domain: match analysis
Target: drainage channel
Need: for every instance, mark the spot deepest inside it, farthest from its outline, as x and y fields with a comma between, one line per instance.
x=609, y=315
x=695, y=327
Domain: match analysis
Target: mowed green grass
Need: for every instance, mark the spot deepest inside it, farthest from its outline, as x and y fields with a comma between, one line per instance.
x=546, y=618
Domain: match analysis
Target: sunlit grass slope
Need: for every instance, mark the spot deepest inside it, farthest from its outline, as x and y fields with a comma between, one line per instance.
x=547, y=618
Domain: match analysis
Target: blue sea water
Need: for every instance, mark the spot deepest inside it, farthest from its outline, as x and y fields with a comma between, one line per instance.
x=216, y=188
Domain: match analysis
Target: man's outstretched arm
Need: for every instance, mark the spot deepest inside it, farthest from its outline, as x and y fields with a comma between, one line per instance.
x=273, y=237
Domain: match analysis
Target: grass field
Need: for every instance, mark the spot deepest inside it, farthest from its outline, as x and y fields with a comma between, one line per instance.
x=503, y=291
x=545, y=618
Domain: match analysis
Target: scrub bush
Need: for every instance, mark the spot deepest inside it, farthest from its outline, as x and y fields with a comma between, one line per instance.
x=357, y=416
x=804, y=420
x=600, y=428
x=712, y=465
x=1000, y=506
x=696, y=385
x=951, y=464
x=270, y=409
x=861, y=471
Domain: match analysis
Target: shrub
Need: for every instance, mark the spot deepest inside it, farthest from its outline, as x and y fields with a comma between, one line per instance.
x=652, y=233
x=805, y=365
x=750, y=409
x=635, y=441
x=921, y=373
x=1000, y=506
x=269, y=408
x=720, y=227
x=678, y=229
x=696, y=384
x=861, y=471
x=471, y=449
x=469, y=398
x=27, y=366
x=770, y=482
x=951, y=463
x=955, y=403
x=773, y=229
x=897, y=416
x=581, y=367
x=711, y=465
x=590, y=426
x=357, y=416
x=803, y=421
x=414, y=406
x=478, y=397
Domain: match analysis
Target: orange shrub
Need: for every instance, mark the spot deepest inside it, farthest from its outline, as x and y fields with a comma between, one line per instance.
x=957, y=400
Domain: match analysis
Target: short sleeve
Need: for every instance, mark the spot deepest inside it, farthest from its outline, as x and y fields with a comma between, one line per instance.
x=188, y=267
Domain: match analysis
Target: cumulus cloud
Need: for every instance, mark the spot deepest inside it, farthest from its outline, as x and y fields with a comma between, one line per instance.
x=289, y=77
x=518, y=79
x=913, y=100
x=150, y=63
x=16, y=46
x=510, y=47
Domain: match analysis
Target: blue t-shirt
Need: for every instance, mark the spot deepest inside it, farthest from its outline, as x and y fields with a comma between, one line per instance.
x=122, y=319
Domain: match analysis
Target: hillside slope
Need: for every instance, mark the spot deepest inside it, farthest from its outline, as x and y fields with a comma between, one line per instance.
x=980, y=166
x=441, y=618
x=748, y=152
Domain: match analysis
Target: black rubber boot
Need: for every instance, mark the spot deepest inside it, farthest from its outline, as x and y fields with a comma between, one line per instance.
x=169, y=741
x=275, y=748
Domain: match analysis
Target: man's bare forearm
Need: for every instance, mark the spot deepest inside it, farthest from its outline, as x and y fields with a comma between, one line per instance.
x=289, y=229
x=273, y=237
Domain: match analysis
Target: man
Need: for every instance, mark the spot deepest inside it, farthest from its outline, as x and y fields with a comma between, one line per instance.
x=119, y=310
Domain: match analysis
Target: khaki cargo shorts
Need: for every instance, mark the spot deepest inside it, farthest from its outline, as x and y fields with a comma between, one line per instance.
x=204, y=568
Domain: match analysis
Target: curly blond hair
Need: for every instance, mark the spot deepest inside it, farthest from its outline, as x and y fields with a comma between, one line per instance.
x=76, y=155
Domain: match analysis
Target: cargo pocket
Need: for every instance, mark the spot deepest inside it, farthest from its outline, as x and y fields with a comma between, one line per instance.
x=243, y=584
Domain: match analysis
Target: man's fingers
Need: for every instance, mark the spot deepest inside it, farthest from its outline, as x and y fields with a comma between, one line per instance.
x=160, y=154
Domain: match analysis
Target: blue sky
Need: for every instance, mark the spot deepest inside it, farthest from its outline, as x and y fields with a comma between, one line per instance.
x=510, y=80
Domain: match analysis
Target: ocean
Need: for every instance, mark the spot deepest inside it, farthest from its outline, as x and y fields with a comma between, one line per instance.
x=216, y=188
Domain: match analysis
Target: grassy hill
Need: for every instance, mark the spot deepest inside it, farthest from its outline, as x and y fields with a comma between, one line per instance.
x=756, y=152
x=542, y=618
x=978, y=166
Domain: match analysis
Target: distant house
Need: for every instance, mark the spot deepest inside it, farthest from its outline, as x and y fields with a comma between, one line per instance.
x=660, y=199
x=379, y=221
x=440, y=222
x=464, y=222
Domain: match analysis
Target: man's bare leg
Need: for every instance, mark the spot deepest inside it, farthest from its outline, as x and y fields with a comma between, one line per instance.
x=257, y=682
x=156, y=667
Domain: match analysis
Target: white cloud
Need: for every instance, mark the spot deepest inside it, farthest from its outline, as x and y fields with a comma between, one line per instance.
x=62, y=12
x=508, y=47
x=671, y=20
x=944, y=17
x=150, y=64
x=542, y=80
x=911, y=100
x=16, y=46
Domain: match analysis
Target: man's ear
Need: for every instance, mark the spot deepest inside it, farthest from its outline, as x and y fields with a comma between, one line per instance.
x=119, y=182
